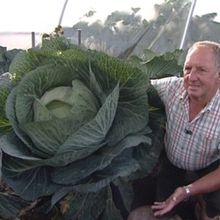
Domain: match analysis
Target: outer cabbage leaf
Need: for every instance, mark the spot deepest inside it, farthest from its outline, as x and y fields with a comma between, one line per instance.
x=85, y=167
x=133, y=88
x=5, y=88
x=85, y=206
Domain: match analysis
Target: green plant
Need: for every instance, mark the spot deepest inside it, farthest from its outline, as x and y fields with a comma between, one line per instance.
x=80, y=128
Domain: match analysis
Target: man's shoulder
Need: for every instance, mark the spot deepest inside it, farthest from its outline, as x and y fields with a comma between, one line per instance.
x=168, y=82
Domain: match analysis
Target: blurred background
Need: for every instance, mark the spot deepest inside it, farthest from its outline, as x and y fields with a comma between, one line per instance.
x=115, y=27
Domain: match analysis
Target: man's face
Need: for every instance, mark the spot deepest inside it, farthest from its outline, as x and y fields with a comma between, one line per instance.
x=201, y=75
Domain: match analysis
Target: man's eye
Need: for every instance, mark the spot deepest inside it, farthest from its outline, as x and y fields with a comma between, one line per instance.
x=201, y=70
x=187, y=70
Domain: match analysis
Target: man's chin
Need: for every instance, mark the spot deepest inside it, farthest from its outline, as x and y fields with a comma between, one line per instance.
x=194, y=94
x=193, y=88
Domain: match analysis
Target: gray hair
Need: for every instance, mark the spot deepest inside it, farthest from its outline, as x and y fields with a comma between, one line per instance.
x=215, y=46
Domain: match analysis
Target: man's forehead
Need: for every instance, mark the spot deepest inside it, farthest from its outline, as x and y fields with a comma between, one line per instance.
x=201, y=54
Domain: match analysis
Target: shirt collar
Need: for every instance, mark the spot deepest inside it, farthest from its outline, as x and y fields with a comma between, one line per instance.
x=211, y=105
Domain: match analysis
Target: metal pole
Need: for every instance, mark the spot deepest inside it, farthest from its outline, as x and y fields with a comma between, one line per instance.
x=32, y=39
x=79, y=36
x=62, y=12
x=187, y=23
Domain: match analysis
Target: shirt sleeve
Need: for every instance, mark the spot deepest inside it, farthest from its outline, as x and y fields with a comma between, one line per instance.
x=164, y=85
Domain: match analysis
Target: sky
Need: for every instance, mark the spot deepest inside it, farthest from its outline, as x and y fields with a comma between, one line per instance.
x=43, y=15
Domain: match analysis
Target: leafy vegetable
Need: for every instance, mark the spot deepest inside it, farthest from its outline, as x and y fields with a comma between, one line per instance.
x=81, y=128
x=6, y=57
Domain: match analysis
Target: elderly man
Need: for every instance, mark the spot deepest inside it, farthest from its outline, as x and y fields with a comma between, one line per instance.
x=190, y=164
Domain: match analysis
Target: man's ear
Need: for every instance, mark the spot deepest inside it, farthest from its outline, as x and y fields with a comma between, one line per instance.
x=219, y=78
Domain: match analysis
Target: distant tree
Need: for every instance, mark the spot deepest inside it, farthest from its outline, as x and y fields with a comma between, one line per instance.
x=127, y=33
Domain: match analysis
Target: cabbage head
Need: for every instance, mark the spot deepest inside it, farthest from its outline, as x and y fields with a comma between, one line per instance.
x=80, y=125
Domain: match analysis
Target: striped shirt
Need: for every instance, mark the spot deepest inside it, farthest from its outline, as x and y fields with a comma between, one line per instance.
x=189, y=145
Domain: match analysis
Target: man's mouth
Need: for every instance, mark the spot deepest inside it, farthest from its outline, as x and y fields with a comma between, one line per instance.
x=194, y=86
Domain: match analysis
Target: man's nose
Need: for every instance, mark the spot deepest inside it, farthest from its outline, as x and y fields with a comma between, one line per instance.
x=193, y=75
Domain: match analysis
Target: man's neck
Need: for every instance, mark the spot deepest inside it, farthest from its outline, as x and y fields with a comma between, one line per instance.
x=195, y=106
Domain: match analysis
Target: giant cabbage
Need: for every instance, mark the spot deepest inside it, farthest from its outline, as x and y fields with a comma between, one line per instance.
x=80, y=129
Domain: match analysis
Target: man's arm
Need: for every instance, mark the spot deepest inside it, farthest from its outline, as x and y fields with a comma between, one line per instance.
x=206, y=184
